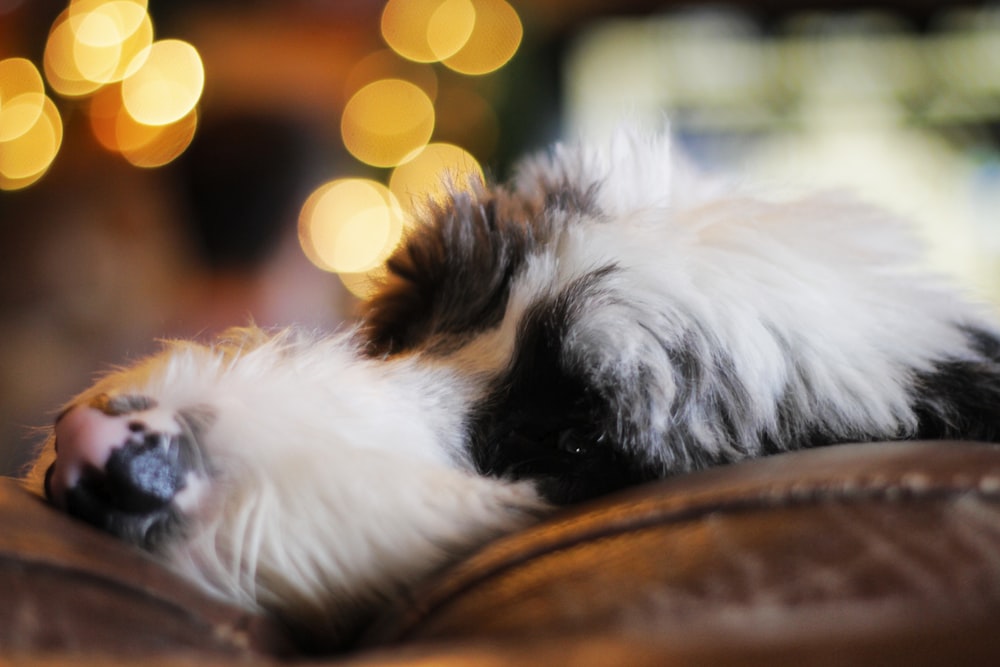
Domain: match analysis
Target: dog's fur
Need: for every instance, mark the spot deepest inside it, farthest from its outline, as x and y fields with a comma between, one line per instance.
x=607, y=318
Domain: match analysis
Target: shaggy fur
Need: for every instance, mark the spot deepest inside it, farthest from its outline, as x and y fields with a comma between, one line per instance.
x=607, y=318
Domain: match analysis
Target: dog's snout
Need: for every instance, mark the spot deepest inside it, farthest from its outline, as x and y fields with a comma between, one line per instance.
x=116, y=470
x=143, y=475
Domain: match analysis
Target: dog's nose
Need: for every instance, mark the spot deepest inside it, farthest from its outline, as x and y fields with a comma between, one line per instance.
x=119, y=471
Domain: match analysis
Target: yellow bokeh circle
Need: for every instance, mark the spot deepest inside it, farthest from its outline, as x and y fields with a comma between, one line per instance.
x=59, y=61
x=386, y=122
x=167, y=84
x=105, y=22
x=432, y=173
x=112, y=39
x=96, y=52
x=19, y=114
x=142, y=145
x=427, y=30
x=350, y=225
x=17, y=76
x=151, y=146
x=26, y=158
x=21, y=97
x=494, y=40
x=92, y=44
x=450, y=27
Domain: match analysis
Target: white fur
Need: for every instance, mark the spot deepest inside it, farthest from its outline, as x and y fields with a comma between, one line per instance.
x=336, y=482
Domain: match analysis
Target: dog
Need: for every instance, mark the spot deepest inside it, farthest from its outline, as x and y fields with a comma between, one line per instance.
x=609, y=317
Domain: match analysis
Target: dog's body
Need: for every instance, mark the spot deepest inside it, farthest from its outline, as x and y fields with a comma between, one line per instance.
x=608, y=318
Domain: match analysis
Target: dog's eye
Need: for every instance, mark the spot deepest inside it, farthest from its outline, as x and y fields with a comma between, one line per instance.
x=578, y=441
x=569, y=443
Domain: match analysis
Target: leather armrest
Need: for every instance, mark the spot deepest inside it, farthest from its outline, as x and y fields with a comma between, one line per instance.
x=858, y=554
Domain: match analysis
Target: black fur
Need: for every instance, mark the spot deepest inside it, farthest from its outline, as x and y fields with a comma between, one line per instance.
x=960, y=398
x=429, y=293
x=548, y=422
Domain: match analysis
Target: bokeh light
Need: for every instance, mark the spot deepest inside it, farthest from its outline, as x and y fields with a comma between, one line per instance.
x=350, y=225
x=95, y=43
x=386, y=122
x=142, y=145
x=144, y=93
x=25, y=158
x=22, y=95
x=450, y=27
x=428, y=30
x=432, y=172
x=154, y=146
x=96, y=52
x=167, y=85
x=121, y=27
x=59, y=61
x=494, y=40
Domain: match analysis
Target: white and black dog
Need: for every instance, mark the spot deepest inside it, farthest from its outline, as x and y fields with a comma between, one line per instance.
x=607, y=318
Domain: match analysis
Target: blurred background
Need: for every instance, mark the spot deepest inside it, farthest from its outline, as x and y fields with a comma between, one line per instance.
x=173, y=167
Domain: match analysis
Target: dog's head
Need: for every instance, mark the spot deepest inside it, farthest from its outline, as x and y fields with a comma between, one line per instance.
x=538, y=289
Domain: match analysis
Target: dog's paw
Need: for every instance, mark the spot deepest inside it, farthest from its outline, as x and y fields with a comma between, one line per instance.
x=127, y=465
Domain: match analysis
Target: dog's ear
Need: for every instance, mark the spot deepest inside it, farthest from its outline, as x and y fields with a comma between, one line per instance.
x=451, y=275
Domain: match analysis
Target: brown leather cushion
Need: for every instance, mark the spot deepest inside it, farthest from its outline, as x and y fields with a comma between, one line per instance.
x=861, y=553
x=68, y=588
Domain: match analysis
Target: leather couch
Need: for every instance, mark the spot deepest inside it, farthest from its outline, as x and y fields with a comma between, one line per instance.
x=870, y=554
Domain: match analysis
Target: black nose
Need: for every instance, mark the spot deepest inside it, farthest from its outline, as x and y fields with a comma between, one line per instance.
x=143, y=477
x=131, y=496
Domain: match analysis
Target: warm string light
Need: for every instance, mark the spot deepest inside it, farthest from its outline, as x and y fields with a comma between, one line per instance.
x=142, y=94
x=141, y=144
x=386, y=122
x=347, y=224
x=30, y=127
x=351, y=226
x=468, y=36
x=94, y=43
